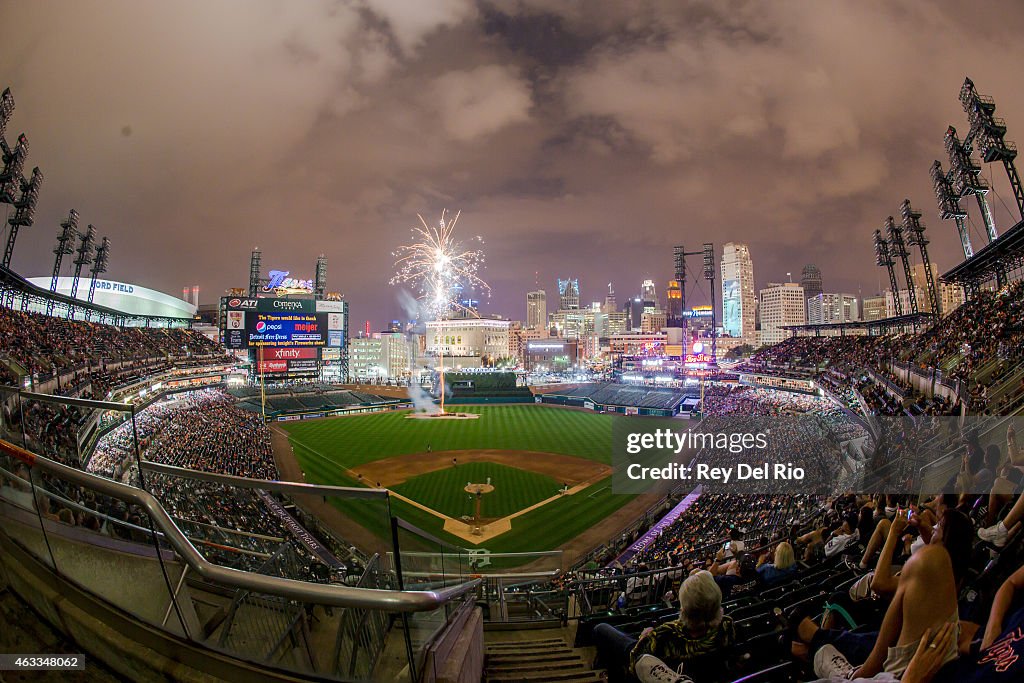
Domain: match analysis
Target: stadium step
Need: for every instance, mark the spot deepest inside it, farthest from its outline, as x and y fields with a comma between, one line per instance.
x=541, y=642
x=531, y=661
x=532, y=656
x=572, y=665
x=535, y=676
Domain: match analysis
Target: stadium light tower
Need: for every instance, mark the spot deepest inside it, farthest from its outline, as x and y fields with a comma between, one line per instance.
x=965, y=179
x=679, y=255
x=24, y=213
x=84, y=258
x=949, y=206
x=320, y=285
x=988, y=133
x=6, y=109
x=884, y=258
x=898, y=249
x=14, y=163
x=709, y=275
x=914, y=230
x=255, y=262
x=99, y=266
x=65, y=246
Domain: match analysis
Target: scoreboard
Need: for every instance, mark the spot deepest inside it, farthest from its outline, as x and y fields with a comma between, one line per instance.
x=283, y=323
x=286, y=336
x=286, y=329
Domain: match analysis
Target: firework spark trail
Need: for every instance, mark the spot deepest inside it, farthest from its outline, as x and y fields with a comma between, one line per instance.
x=439, y=267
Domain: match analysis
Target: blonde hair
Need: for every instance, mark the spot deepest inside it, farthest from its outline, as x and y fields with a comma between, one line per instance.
x=784, y=556
x=700, y=602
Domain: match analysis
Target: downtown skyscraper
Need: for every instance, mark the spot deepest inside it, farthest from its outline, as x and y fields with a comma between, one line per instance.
x=738, y=295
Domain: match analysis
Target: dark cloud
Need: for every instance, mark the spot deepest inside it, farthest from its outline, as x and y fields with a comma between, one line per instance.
x=581, y=138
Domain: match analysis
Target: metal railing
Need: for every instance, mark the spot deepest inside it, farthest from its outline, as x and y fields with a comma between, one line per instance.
x=322, y=594
x=241, y=585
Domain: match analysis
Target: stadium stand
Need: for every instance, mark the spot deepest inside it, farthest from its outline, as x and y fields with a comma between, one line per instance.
x=610, y=397
x=755, y=588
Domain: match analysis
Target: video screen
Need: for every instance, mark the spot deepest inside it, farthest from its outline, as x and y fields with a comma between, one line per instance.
x=286, y=329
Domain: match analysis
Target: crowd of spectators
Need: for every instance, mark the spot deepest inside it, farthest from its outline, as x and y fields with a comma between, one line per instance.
x=976, y=349
x=200, y=429
x=987, y=329
x=41, y=343
x=881, y=588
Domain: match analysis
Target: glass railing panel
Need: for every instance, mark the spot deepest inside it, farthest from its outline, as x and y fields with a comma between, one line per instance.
x=24, y=507
x=427, y=562
x=96, y=536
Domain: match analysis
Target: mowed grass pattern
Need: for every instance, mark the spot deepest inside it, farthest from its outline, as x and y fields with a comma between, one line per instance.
x=356, y=440
x=444, y=490
x=324, y=447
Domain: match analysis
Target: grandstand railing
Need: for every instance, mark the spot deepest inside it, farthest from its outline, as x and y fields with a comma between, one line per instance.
x=276, y=611
x=264, y=607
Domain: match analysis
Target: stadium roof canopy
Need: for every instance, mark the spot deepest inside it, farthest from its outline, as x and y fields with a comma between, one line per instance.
x=19, y=289
x=1005, y=253
x=870, y=327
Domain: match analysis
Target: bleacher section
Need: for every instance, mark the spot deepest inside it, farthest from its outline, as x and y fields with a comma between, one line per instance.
x=306, y=401
x=608, y=397
x=476, y=386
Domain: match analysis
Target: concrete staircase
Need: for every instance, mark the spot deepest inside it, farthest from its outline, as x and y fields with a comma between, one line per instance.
x=532, y=661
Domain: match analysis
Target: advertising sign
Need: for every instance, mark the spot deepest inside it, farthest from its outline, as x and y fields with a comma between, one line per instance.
x=236, y=320
x=330, y=354
x=286, y=330
x=305, y=352
x=335, y=338
x=239, y=304
x=330, y=306
x=235, y=339
x=732, y=321
x=286, y=306
x=335, y=321
x=272, y=366
x=282, y=366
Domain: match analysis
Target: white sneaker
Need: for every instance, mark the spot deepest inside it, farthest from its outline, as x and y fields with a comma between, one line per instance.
x=996, y=535
x=830, y=663
x=650, y=669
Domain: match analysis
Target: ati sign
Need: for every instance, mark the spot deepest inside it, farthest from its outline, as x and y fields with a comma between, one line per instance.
x=242, y=304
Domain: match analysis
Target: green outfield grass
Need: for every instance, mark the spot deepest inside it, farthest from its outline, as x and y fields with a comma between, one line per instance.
x=324, y=447
x=356, y=440
x=514, y=489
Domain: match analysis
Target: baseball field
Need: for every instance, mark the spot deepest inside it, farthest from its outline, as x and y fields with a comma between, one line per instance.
x=548, y=469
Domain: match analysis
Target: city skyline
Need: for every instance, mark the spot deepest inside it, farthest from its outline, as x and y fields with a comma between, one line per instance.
x=309, y=129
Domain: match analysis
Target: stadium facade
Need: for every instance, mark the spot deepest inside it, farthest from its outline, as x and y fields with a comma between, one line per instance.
x=125, y=297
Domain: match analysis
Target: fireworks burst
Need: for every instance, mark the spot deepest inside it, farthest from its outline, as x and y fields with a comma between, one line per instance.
x=439, y=267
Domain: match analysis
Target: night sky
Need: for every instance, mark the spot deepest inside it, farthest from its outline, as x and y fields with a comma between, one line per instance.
x=578, y=138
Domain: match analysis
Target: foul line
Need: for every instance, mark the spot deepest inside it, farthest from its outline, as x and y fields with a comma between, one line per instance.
x=505, y=523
